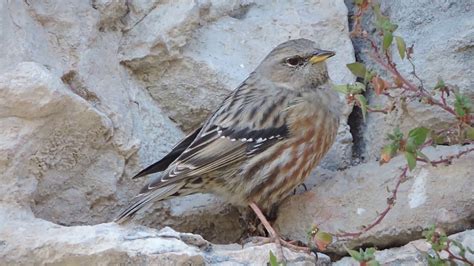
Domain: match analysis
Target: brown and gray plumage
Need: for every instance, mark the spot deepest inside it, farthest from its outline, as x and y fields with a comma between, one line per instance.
x=261, y=142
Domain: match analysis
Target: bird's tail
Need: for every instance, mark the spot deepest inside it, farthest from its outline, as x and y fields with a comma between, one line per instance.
x=142, y=199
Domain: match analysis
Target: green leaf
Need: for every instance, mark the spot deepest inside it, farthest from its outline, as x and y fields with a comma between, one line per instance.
x=312, y=231
x=322, y=240
x=369, y=75
x=324, y=237
x=401, y=46
x=436, y=261
x=397, y=135
x=344, y=88
x=354, y=254
x=362, y=104
x=440, y=84
x=470, y=250
x=358, y=2
x=273, y=260
x=423, y=156
x=462, y=250
x=438, y=246
x=358, y=69
x=418, y=135
x=429, y=232
x=373, y=263
x=378, y=13
x=458, y=106
x=437, y=139
x=356, y=88
x=388, y=152
x=462, y=105
x=411, y=160
x=369, y=253
x=387, y=39
x=387, y=25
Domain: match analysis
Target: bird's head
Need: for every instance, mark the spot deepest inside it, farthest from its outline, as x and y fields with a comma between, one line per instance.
x=296, y=64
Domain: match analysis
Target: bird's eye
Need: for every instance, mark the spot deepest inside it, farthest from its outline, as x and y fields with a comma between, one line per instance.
x=293, y=61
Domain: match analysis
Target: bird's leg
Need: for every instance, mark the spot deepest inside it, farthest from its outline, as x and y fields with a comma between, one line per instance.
x=273, y=234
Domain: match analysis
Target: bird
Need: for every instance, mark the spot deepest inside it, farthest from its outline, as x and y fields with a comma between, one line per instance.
x=260, y=143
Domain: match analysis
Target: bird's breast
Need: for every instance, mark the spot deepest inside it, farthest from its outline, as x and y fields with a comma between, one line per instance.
x=312, y=133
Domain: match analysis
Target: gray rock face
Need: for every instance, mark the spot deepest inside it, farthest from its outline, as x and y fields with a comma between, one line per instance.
x=346, y=200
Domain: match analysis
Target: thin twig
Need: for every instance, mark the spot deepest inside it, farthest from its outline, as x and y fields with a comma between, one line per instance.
x=452, y=256
x=391, y=202
x=374, y=110
x=413, y=72
x=450, y=158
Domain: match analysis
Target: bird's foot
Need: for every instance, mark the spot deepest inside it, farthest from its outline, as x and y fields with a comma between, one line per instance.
x=274, y=237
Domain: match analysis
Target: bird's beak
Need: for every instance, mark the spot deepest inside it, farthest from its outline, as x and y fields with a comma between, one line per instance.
x=321, y=56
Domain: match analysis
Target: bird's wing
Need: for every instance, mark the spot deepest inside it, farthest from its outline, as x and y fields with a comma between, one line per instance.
x=248, y=122
x=162, y=164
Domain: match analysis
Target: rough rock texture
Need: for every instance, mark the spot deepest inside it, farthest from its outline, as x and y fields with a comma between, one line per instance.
x=75, y=124
x=414, y=253
x=346, y=200
x=200, y=52
x=443, y=36
x=28, y=241
x=202, y=214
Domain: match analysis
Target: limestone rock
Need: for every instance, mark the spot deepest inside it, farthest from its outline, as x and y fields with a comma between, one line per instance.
x=202, y=214
x=50, y=131
x=413, y=253
x=27, y=240
x=74, y=125
x=111, y=13
x=346, y=200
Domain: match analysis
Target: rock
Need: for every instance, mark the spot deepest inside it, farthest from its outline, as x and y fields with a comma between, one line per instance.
x=32, y=98
x=413, y=253
x=27, y=240
x=72, y=167
x=202, y=214
x=76, y=125
x=466, y=239
x=347, y=200
x=443, y=39
x=410, y=254
x=191, y=62
x=111, y=13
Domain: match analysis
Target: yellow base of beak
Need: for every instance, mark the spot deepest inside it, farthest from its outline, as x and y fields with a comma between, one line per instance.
x=320, y=57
